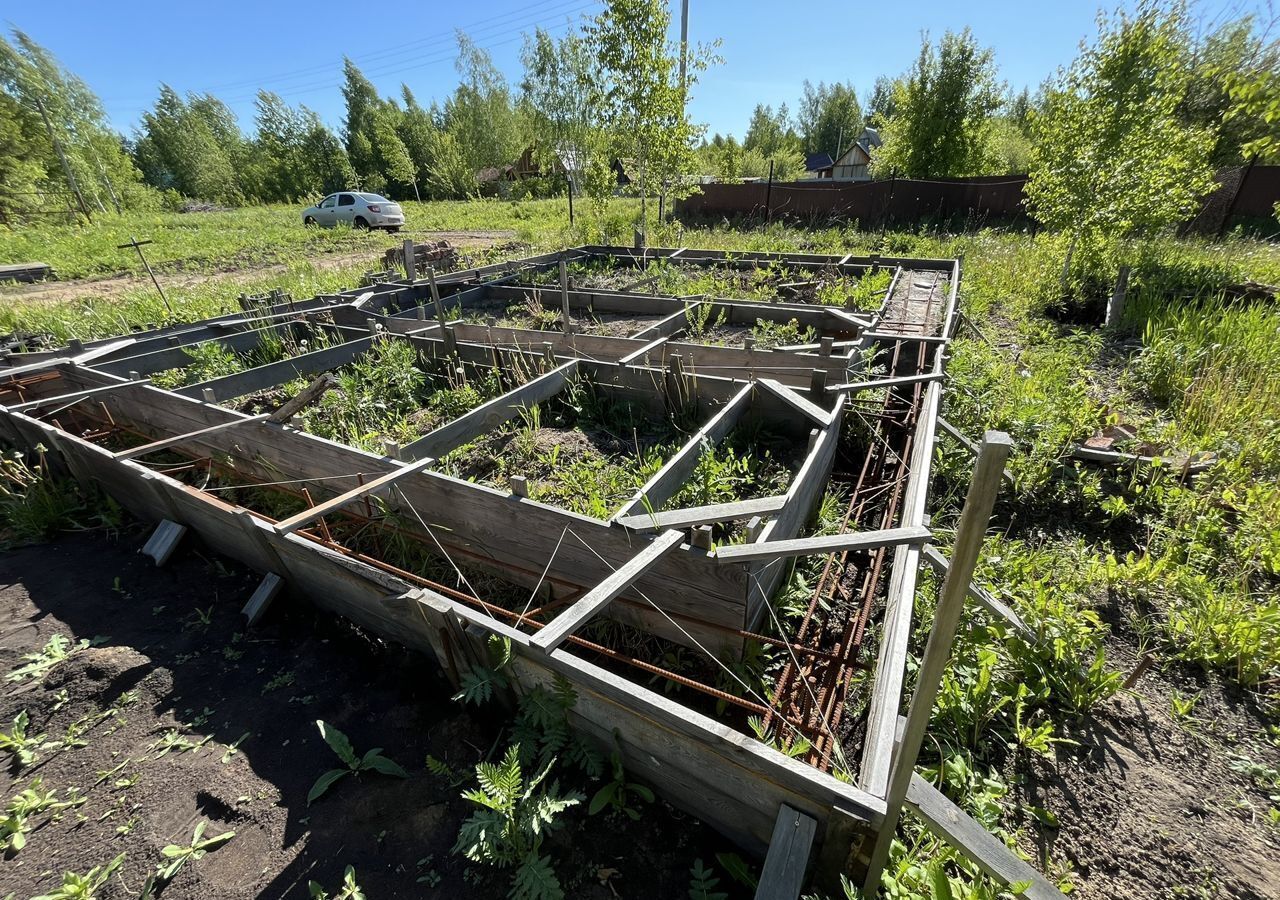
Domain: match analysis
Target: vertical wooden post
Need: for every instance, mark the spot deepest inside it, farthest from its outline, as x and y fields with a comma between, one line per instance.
x=818, y=383
x=410, y=261
x=445, y=332
x=974, y=518
x=564, y=296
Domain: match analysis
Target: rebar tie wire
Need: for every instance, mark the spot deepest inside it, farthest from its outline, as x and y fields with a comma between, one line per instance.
x=732, y=674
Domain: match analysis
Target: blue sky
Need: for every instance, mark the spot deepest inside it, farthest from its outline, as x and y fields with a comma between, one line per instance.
x=232, y=47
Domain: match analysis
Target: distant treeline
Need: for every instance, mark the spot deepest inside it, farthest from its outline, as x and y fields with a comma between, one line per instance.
x=605, y=100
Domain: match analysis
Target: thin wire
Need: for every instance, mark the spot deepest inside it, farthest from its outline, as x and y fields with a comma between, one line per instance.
x=835, y=740
x=734, y=675
x=542, y=577
x=443, y=552
x=237, y=487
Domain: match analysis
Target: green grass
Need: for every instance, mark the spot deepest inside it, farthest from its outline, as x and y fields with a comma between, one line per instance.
x=202, y=242
x=141, y=307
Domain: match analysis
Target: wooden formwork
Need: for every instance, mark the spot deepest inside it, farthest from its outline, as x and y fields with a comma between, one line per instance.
x=644, y=566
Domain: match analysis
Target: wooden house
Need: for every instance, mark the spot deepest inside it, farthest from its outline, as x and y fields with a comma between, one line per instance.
x=855, y=163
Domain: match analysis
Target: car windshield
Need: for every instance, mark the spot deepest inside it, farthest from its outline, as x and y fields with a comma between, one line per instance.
x=375, y=198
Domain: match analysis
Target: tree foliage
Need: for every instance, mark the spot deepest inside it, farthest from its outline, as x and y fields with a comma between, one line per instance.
x=192, y=147
x=1113, y=158
x=641, y=99
x=829, y=118
x=560, y=92
x=941, y=110
x=481, y=115
x=1230, y=71
x=44, y=109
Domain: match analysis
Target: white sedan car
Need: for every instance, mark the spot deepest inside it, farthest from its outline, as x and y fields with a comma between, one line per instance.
x=357, y=209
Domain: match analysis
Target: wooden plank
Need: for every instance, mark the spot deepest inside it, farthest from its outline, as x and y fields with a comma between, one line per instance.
x=103, y=350
x=784, y=866
x=1115, y=458
x=891, y=662
x=277, y=373
x=959, y=829
x=804, y=494
x=971, y=530
x=44, y=362
x=666, y=327
x=972, y=448
x=27, y=272
x=304, y=398
x=819, y=415
x=74, y=396
x=267, y=590
x=870, y=337
x=573, y=618
x=486, y=417
x=742, y=760
x=176, y=355
x=639, y=353
x=666, y=481
x=294, y=522
x=876, y=384
x=163, y=541
x=704, y=515
x=933, y=556
x=184, y=438
x=849, y=319
x=828, y=543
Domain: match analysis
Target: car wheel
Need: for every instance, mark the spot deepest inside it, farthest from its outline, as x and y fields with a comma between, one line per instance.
x=393, y=229
x=309, y=221
x=360, y=224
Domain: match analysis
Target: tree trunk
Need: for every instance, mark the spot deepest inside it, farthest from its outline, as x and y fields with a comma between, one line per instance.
x=66, y=166
x=1066, y=264
x=644, y=215
x=1115, y=306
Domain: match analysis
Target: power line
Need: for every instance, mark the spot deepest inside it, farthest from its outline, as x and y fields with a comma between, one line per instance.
x=409, y=47
x=335, y=85
x=554, y=12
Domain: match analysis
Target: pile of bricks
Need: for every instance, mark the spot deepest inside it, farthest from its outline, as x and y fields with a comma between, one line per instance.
x=436, y=254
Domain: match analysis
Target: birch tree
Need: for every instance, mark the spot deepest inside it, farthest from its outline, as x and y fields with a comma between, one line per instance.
x=1112, y=159
x=642, y=101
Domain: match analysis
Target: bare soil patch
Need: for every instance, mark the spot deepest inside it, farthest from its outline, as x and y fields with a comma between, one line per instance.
x=1153, y=805
x=215, y=683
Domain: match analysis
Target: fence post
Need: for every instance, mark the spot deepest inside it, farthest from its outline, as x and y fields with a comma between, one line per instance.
x=970, y=531
x=768, y=197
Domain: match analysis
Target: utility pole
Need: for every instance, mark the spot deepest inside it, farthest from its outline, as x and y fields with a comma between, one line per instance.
x=684, y=89
x=684, y=49
x=66, y=166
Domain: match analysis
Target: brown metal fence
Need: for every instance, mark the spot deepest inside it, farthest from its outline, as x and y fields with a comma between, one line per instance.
x=1244, y=192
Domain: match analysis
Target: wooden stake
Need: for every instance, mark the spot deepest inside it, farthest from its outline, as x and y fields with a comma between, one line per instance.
x=970, y=531
x=564, y=296
x=410, y=262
